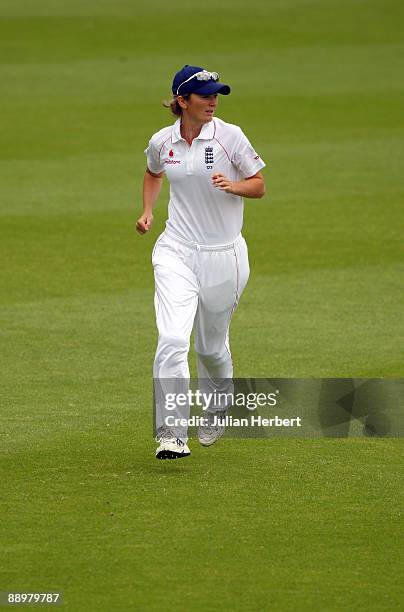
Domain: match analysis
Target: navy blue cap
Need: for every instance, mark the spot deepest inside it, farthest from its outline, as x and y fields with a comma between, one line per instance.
x=203, y=88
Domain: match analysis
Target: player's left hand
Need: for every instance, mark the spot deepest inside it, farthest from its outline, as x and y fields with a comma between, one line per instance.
x=221, y=181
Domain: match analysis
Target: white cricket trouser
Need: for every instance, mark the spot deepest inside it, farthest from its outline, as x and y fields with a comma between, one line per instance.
x=197, y=288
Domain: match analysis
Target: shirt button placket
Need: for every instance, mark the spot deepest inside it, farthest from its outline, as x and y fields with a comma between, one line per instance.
x=190, y=158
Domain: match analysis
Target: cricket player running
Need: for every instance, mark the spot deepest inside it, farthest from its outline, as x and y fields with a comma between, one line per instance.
x=200, y=261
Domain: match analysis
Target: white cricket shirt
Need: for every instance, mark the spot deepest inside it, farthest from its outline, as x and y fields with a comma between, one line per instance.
x=197, y=211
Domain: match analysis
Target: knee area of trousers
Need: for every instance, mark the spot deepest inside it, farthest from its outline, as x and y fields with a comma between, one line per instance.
x=213, y=359
x=173, y=343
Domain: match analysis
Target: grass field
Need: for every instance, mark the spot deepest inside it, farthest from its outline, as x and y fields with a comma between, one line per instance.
x=248, y=524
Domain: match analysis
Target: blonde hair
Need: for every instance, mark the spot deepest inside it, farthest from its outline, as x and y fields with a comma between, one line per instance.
x=173, y=104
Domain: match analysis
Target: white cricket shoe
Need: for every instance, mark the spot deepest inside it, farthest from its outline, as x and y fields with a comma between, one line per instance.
x=210, y=432
x=171, y=447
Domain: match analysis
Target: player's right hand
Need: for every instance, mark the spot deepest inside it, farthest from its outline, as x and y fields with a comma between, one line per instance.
x=144, y=223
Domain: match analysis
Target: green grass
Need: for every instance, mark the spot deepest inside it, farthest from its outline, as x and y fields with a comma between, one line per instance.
x=123, y=532
x=250, y=524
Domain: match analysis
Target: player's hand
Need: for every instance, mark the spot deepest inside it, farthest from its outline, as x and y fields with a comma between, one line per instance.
x=223, y=183
x=144, y=223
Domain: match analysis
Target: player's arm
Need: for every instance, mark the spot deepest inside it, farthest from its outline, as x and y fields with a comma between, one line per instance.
x=151, y=189
x=251, y=187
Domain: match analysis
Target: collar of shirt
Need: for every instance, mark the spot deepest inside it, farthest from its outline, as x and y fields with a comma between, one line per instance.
x=207, y=131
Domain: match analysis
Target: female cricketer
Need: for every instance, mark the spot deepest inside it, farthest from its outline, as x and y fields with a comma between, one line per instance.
x=200, y=261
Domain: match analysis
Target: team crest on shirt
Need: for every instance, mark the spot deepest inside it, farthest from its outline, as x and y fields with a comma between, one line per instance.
x=209, y=158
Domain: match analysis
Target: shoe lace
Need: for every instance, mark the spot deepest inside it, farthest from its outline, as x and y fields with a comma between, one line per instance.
x=208, y=417
x=166, y=434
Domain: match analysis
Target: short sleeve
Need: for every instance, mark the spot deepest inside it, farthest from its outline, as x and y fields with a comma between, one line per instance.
x=245, y=158
x=153, y=158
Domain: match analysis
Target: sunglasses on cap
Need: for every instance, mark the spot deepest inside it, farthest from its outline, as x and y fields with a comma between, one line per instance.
x=204, y=75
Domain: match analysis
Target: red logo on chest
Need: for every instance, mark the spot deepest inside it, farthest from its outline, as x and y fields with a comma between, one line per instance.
x=172, y=161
